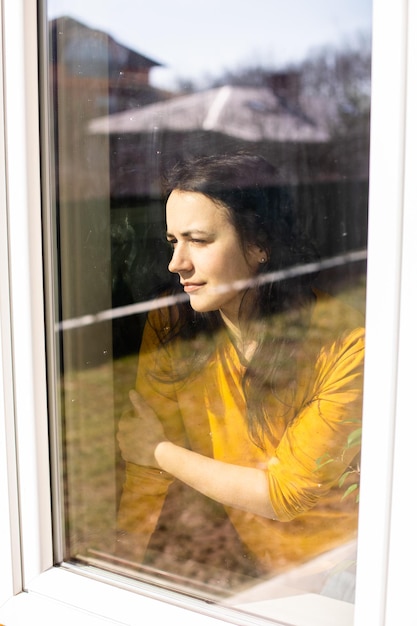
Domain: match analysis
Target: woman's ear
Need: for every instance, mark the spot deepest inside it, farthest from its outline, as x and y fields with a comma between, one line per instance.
x=262, y=255
x=257, y=256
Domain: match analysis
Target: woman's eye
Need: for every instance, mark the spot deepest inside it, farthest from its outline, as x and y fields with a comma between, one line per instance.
x=171, y=242
x=198, y=241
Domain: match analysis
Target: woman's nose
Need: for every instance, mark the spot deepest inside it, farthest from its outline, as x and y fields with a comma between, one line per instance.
x=180, y=260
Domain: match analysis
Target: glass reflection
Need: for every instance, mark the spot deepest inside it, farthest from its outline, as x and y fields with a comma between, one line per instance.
x=251, y=342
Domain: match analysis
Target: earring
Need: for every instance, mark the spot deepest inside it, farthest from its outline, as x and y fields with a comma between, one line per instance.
x=263, y=260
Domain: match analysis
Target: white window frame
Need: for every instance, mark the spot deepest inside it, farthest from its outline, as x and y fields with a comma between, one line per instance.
x=31, y=589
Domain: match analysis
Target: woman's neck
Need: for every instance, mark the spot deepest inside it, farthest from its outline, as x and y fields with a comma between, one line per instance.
x=239, y=332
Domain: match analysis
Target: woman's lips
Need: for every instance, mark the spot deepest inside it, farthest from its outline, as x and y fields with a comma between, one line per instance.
x=192, y=287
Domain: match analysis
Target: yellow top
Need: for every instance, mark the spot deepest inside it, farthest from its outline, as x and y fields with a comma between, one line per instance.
x=312, y=423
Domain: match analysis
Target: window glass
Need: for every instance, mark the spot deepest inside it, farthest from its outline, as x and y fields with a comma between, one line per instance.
x=235, y=308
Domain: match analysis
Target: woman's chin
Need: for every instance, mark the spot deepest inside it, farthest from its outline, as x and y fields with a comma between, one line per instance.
x=200, y=306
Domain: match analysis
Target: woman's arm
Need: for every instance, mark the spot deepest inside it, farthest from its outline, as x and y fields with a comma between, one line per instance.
x=232, y=485
x=144, y=442
x=318, y=447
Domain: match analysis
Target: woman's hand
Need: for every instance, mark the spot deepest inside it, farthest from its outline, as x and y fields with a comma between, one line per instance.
x=138, y=435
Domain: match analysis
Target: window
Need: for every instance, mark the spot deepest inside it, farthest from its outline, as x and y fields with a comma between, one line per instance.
x=116, y=132
x=39, y=427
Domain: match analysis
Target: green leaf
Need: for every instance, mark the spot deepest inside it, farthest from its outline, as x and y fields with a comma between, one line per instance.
x=343, y=478
x=350, y=490
x=354, y=438
x=323, y=460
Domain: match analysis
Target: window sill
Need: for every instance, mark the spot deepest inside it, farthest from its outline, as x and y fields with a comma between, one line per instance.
x=67, y=597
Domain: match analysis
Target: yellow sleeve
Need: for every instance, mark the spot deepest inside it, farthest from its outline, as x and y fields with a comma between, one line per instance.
x=145, y=488
x=313, y=453
x=154, y=380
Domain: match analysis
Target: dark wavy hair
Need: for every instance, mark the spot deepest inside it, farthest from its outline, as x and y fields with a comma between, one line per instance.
x=262, y=213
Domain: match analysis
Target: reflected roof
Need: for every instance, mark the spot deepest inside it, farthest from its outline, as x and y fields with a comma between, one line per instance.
x=248, y=113
x=89, y=52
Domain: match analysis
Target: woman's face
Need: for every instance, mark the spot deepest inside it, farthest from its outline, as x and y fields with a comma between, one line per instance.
x=207, y=253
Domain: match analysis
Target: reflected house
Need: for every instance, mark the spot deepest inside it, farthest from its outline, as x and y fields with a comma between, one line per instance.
x=89, y=57
x=294, y=131
x=224, y=118
x=93, y=75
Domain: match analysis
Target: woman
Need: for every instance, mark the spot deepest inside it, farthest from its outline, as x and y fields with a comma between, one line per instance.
x=246, y=393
